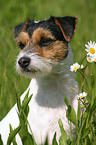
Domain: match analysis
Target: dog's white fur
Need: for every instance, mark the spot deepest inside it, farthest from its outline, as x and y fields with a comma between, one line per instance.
x=47, y=105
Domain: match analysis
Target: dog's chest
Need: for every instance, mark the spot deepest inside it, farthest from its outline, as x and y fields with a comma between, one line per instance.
x=47, y=103
x=44, y=121
x=46, y=108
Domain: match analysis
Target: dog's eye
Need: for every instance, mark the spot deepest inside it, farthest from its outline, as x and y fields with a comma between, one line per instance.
x=21, y=45
x=45, y=41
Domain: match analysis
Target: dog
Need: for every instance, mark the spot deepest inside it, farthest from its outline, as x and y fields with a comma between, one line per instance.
x=45, y=57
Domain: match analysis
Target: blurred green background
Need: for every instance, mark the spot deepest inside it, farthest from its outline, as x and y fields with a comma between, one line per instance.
x=13, y=12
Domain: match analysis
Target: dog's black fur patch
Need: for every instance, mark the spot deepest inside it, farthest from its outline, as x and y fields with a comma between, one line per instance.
x=68, y=25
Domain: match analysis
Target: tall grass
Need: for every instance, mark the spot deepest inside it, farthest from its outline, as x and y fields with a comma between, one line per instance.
x=13, y=12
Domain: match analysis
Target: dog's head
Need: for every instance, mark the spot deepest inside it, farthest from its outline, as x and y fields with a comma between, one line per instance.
x=43, y=44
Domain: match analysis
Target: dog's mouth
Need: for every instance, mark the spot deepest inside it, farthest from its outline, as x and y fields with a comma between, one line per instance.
x=31, y=65
x=30, y=70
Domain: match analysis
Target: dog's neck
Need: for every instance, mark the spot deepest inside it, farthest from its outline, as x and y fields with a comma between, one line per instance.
x=59, y=83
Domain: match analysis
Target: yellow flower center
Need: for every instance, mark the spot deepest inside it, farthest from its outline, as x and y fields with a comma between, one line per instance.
x=81, y=97
x=92, y=50
x=75, y=68
x=95, y=59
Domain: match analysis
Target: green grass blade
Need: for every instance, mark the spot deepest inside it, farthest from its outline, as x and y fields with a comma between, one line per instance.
x=63, y=137
x=54, y=142
x=1, y=142
x=13, y=134
x=71, y=115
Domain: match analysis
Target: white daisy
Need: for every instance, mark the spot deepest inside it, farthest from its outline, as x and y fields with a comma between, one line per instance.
x=90, y=59
x=91, y=49
x=74, y=67
x=82, y=95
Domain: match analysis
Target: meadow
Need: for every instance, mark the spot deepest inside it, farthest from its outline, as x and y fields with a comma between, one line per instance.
x=13, y=12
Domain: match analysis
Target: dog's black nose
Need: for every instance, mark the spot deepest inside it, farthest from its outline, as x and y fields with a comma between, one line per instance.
x=24, y=62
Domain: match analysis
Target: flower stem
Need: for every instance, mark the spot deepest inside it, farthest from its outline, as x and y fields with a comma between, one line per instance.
x=85, y=81
x=83, y=59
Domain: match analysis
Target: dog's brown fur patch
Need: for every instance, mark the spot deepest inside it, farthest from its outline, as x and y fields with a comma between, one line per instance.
x=22, y=37
x=41, y=32
x=56, y=51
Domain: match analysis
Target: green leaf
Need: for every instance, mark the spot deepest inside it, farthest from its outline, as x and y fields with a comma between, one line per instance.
x=18, y=103
x=63, y=137
x=12, y=135
x=78, y=111
x=26, y=96
x=94, y=143
x=13, y=141
x=86, y=131
x=25, y=102
x=24, y=110
x=83, y=127
x=1, y=142
x=66, y=101
x=81, y=130
x=71, y=115
x=92, y=109
x=31, y=139
x=26, y=137
x=46, y=141
x=54, y=142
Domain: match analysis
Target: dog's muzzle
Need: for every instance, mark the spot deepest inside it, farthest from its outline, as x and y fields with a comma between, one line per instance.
x=24, y=62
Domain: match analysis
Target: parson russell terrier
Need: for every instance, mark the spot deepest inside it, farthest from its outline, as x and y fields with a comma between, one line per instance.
x=45, y=56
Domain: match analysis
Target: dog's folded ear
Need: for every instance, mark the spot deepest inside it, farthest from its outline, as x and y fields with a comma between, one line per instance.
x=67, y=26
x=23, y=27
